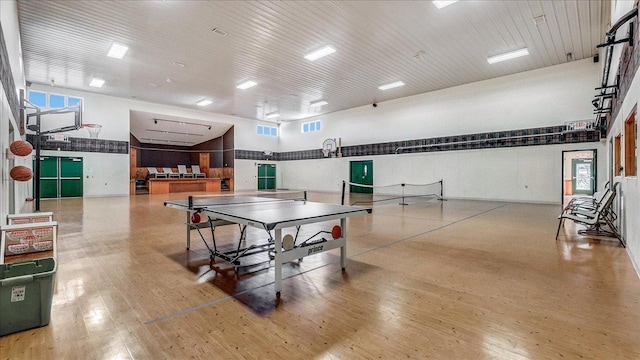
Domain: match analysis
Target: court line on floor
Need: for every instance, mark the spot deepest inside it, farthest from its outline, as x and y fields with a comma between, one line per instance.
x=229, y=297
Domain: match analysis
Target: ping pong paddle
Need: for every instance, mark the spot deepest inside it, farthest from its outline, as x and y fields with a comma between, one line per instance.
x=336, y=232
x=195, y=218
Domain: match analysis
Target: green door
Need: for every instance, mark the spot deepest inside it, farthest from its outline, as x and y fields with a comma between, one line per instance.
x=266, y=176
x=70, y=177
x=48, y=177
x=583, y=179
x=362, y=173
x=60, y=177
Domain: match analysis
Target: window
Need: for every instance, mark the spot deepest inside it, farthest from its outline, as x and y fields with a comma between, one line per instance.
x=267, y=130
x=56, y=101
x=630, y=152
x=38, y=98
x=311, y=126
x=73, y=101
x=52, y=101
x=617, y=169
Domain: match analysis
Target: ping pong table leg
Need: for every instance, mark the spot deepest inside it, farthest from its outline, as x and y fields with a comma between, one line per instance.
x=343, y=249
x=278, y=250
x=188, y=230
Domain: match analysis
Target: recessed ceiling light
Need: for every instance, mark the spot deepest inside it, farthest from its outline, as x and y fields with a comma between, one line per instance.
x=272, y=115
x=219, y=31
x=247, y=84
x=96, y=82
x=508, y=56
x=391, y=85
x=204, y=102
x=179, y=64
x=322, y=52
x=318, y=103
x=169, y=80
x=117, y=51
x=443, y=3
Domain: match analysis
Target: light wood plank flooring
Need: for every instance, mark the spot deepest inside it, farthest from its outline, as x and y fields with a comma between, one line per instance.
x=450, y=280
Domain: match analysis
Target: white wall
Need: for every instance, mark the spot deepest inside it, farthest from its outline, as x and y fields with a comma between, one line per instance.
x=11, y=32
x=542, y=97
x=630, y=188
x=525, y=174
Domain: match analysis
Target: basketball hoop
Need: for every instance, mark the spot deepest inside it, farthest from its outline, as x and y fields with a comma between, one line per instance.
x=94, y=130
x=328, y=147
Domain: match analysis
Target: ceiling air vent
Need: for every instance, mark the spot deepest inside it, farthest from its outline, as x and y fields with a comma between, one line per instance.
x=219, y=31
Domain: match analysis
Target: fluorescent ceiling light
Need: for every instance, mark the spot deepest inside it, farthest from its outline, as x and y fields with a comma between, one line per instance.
x=444, y=3
x=247, y=84
x=391, y=85
x=204, y=102
x=272, y=115
x=318, y=103
x=96, y=82
x=117, y=51
x=508, y=56
x=322, y=52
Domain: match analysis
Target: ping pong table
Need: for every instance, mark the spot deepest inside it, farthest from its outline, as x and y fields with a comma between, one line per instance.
x=271, y=215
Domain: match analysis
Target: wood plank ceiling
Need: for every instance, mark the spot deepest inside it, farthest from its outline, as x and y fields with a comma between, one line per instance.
x=376, y=42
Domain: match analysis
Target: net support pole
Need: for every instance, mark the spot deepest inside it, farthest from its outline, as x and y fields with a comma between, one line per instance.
x=403, y=203
x=344, y=184
x=441, y=192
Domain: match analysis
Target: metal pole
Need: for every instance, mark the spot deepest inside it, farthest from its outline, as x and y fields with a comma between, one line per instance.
x=36, y=165
x=343, y=187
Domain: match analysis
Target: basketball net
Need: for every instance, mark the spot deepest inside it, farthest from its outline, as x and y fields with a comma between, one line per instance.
x=94, y=130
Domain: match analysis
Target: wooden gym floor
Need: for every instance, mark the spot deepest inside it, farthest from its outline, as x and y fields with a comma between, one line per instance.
x=451, y=280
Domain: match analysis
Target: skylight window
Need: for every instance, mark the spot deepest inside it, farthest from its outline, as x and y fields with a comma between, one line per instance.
x=322, y=52
x=508, y=56
x=117, y=51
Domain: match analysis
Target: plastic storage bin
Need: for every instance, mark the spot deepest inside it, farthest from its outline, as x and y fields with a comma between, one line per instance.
x=26, y=293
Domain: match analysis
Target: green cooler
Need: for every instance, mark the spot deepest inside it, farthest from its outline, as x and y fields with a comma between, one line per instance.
x=26, y=293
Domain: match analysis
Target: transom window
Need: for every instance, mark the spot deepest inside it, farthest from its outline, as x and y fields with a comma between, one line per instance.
x=51, y=101
x=267, y=130
x=312, y=126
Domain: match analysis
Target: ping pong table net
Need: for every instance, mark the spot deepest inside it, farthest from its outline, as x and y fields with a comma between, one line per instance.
x=246, y=197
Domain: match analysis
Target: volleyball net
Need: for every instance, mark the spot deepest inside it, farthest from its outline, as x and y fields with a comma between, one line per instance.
x=403, y=193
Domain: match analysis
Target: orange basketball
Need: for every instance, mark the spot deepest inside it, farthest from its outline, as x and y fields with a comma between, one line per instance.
x=21, y=173
x=20, y=148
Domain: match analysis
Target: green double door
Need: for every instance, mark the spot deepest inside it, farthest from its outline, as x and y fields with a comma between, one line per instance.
x=60, y=177
x=266, y=176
